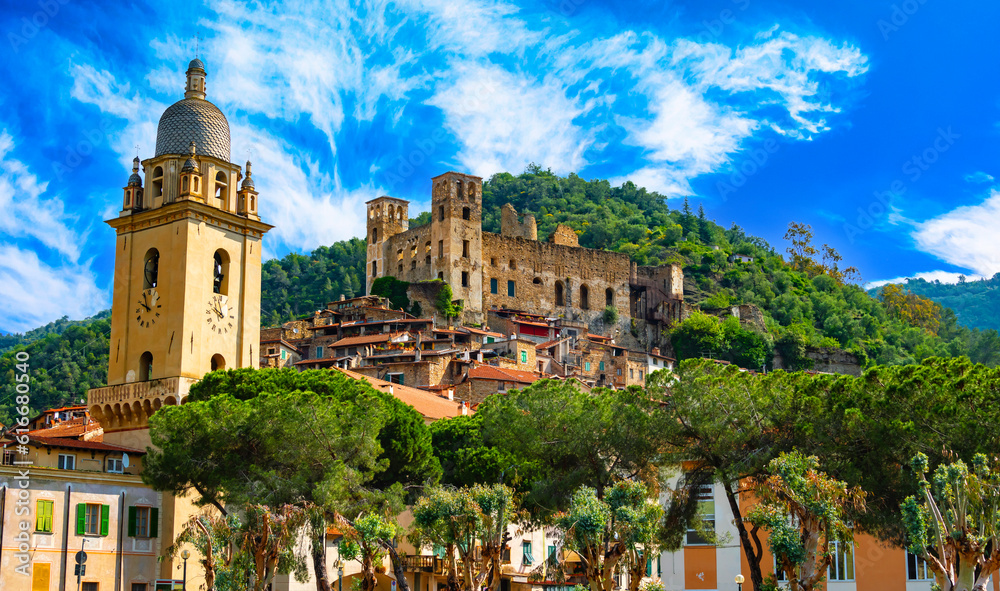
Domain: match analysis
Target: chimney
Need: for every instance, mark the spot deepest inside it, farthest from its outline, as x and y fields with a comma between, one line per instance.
x=451, y=393
x=341, y=297
x=390, y=388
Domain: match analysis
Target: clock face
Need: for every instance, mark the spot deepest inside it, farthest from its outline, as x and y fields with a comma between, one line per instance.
x=148, y=308
x=220, y=318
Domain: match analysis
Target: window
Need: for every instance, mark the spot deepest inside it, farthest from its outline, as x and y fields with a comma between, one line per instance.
x=8, y=457
x=157, y=184
x=319, y=352
x=706, y=514
x=559, y=294
x=43, y=516
x=916, y=568
x=221, y=188
x=284, y=354
x=151, y=269
x=493, y=285
x=218, y=362
x=143, y=522
x=89, y=587
x=609, y=296
x=600, y=366
x=619, y=371
x=400, y=269
x=537, y=281
x=67, y=462
x=584, y=297
x=440, y=248
x=374, y=234
x=441, y=275
x=631, y=373
x=493, y=261
x=586, y=366
x=146, y=367
x=220, y=272
x=138, y=586
x=842, y=567
x=552, y=558
x=465, y=279
x=92, y=519
x=465, y=248
x=427, y=260
x=413, y=265
x=374, y=268
x=116, y=465
x=512, y=265
x=441, y=213
x=396, y=378
x=466, y=213
x=524, y=356
x=510, y=288
x=526, y=550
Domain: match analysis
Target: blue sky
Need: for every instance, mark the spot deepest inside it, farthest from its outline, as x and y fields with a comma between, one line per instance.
x=875, y=122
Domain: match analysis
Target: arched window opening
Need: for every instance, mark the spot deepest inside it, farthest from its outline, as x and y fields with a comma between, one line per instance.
x=458, y=192
x=374, y=234
x=184, y=184
x=466, y=213
x=220, y=272
x=221, y=189
x=218, y=362
x=609, y=297
x=441, y=213
x=427, y=259
x=151, y=269
x=584, y=297
x=197, y=185
x=537, y=280
x=146, y=367
x=472, y=192
x=512, y=265
x=560, y=299
x=374, y=268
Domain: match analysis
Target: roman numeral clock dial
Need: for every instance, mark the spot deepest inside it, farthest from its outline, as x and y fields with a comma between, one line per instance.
x=147, y=310
x=219, y=317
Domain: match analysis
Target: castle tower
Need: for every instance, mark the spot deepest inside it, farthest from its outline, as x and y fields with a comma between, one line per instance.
x=457, y=237
x=387, y=216
x=187, y=270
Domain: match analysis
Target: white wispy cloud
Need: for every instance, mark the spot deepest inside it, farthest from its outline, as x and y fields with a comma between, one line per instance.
x=965, y=237
x=942, y=276
x=979, y=177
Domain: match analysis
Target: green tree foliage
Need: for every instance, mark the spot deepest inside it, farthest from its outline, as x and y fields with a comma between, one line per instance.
x=702, y=335
x=394, y=289
x=804, y=511
x=445, y=305
x=467, y=459
x=298, y=285
x=953, y=522
x=470, y=523
x=619, y=529
x=365, y=542
x=63, y=364
x=572, y=438
x=975, y=302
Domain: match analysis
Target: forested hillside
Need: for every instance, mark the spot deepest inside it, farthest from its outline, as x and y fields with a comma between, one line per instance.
x=976, y=303
x=806, y=292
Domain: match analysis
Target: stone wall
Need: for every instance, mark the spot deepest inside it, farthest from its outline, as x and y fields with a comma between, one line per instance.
x=553, y=279
x=510, y=226
x=565, y=236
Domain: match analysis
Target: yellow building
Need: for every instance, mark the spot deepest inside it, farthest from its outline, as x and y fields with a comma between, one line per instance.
x=186, y=301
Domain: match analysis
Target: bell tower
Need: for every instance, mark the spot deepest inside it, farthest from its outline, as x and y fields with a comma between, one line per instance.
x=187, y=269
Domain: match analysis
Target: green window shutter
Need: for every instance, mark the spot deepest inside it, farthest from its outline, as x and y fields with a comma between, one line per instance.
x=105, y=515
x=649, y=567
x=154, y=523
x=48, y=515
x=81, y=519
x=131, y=522
x=601, y=366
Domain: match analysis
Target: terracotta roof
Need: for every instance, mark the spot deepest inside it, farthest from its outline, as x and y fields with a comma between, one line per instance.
x=552, y=343
x=323, y=361
x=364, y=340
x=530, y=323
x=431, y=406
x=502, y=374
x=483, y=332
x=78, y=444
x=598, y=337
x=71, y=428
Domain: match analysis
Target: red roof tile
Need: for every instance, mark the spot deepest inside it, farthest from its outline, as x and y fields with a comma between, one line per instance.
x=502, y=374
x=431, y=406
x=78, y=444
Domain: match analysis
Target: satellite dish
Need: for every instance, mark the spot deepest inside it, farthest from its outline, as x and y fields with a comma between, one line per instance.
x=124, y=460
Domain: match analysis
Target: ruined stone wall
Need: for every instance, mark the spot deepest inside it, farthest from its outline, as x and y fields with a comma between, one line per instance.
x=565, y=236
x=386, y=217
x=542, y=272
x=408, y=256
x=510, y=226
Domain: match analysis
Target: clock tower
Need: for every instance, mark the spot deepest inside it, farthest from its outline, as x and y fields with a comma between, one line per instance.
x=186, y=295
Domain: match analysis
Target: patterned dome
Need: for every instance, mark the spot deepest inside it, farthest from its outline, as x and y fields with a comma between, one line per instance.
x=196, y=63
x=193, y=120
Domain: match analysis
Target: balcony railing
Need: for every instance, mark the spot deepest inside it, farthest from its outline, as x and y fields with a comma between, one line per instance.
x=428, y=563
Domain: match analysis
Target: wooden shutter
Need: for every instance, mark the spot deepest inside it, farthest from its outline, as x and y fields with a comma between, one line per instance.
x=48, y=515
x=105, y=514
x=81, y=519
x=40, y=576
x=154, y=522
x=131, y=522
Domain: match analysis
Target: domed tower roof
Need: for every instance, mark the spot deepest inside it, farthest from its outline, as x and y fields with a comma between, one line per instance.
x=135, y=180
x=248, y=180
x=193, y=119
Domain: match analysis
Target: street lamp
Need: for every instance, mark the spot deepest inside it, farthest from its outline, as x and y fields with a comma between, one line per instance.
x=739, y=582
x=185, y=555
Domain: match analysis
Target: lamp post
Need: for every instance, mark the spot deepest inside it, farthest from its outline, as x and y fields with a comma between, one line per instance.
x=739, y=582
x=185, y=555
